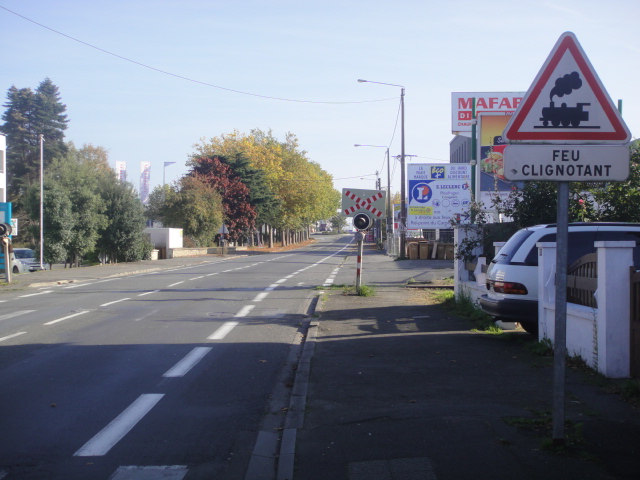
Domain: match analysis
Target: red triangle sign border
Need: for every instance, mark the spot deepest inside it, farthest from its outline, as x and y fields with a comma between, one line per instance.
x=567, y=42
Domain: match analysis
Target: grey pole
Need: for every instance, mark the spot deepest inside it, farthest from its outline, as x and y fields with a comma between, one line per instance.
x=41, y=201
x=560, y=341
x=403, y=193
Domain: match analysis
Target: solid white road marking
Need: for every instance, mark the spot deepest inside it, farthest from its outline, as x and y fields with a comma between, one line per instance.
x=119, y=427
x=148, y=293
x=226, y=327
x=11, y=336
x=244, y=311
x=223, y=331
x=66, y=318
x=15, y=314
x=115, y=301
x=261, y=296
x=34, y=294
x=181, y=368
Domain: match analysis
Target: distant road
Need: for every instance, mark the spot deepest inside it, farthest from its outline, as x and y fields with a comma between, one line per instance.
x=171, y=374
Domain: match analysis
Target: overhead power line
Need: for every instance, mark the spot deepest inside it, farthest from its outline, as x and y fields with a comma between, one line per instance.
x=181, y=77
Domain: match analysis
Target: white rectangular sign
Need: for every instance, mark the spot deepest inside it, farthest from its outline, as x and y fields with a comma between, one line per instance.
x=498, y=102
x=437, y=194
x=567, y=163
x=371, y=202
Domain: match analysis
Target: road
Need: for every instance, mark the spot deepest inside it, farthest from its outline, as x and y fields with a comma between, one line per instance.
x=174, y=374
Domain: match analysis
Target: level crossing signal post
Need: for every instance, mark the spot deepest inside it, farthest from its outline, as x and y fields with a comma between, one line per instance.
x=362, y=222
x=365, y=206
x=5, y=231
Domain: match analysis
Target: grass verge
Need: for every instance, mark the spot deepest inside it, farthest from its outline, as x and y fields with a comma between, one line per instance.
x=363, y=291
x=463, y=305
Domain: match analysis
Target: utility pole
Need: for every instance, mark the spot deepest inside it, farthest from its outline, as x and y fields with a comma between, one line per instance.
x=403, y=193
x=41, y=202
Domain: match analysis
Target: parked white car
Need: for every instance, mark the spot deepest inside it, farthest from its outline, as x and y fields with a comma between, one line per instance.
x=28, y=257
x=17, y=266
x=512, y=276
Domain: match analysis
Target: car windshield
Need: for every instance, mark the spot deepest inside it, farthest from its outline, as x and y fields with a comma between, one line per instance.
x=511, y=247
x=24, y=253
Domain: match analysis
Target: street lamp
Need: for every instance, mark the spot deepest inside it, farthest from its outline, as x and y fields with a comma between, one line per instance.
x=389, y=213
x=403, y=201
x=41, y=201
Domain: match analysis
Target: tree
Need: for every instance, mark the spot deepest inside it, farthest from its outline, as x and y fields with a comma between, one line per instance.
x=193, y=205
x=51, y=119
x=618, y=201
x=27, y=116
x=537, y=203
x=19, y=119
x=74, y=184
x=261, y=197
x=58, y=219
x=338, y=222
x=123, y=238
x=305, y=190
x=239, y=214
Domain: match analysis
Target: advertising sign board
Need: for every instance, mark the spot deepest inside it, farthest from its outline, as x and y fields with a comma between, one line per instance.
x=437, y=194
x=503, y=103
x=491, y=179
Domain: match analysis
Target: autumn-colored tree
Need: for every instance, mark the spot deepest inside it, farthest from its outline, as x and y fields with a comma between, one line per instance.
x=305, y=191
x=239, y=215
x=191, y=204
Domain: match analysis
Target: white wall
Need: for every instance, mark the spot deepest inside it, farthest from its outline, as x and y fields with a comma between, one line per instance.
x=600, y=336
x=165, y=237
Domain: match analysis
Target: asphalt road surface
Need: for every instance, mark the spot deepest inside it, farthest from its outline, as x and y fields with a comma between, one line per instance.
x=175, y=374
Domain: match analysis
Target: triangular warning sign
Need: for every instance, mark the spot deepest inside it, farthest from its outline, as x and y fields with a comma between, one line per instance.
x=567, y=103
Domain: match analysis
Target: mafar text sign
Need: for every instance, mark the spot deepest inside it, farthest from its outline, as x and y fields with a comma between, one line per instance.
x=567, y=163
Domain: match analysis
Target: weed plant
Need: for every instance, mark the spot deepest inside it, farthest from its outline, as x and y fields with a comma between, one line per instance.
x=364, y=291
x=464, y=306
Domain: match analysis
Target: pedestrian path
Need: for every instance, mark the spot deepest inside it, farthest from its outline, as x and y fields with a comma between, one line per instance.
x=400, y=390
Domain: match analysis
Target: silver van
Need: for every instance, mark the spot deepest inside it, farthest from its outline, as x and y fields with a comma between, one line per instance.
x=28, y=257
x=512, y=276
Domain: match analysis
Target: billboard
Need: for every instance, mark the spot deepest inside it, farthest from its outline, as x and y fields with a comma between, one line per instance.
x=145, y=174
x=121, y=171
x=491, y=144
x=437, y=194
x=503, y=103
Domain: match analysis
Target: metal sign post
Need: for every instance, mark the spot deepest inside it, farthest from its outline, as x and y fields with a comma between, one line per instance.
x=581, y=138
x=7, y=260
x=359, y=237
x=559, y=344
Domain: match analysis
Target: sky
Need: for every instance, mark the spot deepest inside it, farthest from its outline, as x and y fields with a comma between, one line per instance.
x=147, y=80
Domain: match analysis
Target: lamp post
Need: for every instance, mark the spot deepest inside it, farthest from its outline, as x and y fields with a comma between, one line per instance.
x=403, y=201
x=389, y=213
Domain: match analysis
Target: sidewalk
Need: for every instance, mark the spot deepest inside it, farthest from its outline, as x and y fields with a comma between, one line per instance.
x=399, y=390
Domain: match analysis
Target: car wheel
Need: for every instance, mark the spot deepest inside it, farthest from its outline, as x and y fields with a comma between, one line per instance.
x=15, y=269
x=531, y=328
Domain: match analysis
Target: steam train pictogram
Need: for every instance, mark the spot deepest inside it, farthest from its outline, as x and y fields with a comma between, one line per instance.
x=563, y=115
